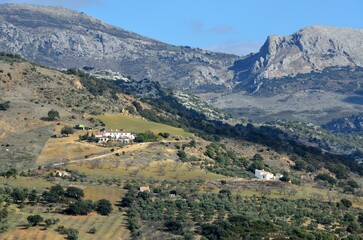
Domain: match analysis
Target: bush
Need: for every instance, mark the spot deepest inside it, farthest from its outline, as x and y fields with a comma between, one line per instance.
x=347, y=203
x=93, y=230
x=164, y=135
x=72, y=234
x=181, y=154
x=53, y=114
x=80, y=207
x=174, y=226
x=74, y=192
x=104, y=207
x=35, y=219
x=326, y=177
x=66, y=130
x=4, y=106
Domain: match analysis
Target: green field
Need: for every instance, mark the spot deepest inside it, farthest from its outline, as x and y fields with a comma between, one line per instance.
x=33, y=182
x=138, y=125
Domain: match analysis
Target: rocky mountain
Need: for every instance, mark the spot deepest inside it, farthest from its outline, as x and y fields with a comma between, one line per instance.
x=311, y=49
x=63, y=38
x=313, y=75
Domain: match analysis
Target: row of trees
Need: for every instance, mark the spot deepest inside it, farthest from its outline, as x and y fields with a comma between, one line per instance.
x=228, y=216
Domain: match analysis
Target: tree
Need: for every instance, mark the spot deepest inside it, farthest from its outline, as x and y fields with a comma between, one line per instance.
x=181, y=154
x=299, y=165
x=11, y=173
x=72, y=234
x=174, y=226
x=80, y=207
x=66, y=130
x=257, y=157
x=32, y=197
x=74, y=192
x=164, y=135
x=19, y=195
x=104, y=207
x=346, y=202
x=285, y=177
x=35, y=219
x=53, y=114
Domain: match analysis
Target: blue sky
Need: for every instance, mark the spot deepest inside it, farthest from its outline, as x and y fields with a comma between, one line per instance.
x=233, y=26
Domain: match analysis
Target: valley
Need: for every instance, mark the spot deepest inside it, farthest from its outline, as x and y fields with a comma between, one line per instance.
x=197, y=127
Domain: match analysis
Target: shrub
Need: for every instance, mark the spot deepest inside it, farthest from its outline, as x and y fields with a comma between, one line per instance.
x=66, y=130
x=80, y=207
x=347, y=203
x=181, y=154
x=104, y=207
x=174, y=226
x=35, y=219
x=4, y=106
x=326, y=177
x=53, y=114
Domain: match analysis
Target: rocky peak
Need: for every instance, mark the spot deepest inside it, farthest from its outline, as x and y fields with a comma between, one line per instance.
x=312, y=48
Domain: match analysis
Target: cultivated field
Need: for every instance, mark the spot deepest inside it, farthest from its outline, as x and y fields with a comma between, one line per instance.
x=108, y=227
x=162, y=170
x=138, y=125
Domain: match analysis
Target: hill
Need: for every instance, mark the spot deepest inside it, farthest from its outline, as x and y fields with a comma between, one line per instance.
x=30, y=91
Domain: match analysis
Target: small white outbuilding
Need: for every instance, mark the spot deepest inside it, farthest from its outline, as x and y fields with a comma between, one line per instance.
x=262, y=174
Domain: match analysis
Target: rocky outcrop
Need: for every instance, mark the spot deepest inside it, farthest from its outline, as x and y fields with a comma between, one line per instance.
x=63, y=38
x=310, y=49
x=350, y=124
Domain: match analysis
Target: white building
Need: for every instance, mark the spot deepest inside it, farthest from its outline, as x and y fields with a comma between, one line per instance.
x=120, y=136
x=262, y=174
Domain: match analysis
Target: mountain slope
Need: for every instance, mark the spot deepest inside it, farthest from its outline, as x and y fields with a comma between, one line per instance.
x=63, y=38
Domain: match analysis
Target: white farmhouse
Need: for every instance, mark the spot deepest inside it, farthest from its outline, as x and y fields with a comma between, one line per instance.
x=262, y=174
x=117, y=135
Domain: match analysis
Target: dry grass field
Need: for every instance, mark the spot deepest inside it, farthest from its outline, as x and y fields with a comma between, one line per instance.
x=162, y=170
x=108, y=227
x=113, y=194
x=67, y=148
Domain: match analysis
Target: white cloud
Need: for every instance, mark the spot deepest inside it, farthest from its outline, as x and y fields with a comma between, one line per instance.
x=239, y=48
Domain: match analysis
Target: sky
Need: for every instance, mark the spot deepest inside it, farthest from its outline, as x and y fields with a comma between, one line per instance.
x=232, y=26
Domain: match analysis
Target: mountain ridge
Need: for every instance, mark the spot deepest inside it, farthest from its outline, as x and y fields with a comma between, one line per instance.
x=63, y=38
x=287, y=76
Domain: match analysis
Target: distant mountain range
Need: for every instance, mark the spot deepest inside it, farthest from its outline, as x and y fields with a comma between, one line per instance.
x=63, y=38
x=314, y=74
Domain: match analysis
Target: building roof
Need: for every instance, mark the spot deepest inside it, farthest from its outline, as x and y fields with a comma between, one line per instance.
x=116, y=131
x=263, y=172
x=142, y=189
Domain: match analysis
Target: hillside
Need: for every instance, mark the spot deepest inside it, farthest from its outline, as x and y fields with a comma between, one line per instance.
x=193, y=176
x=30, y=91
x=347, y=125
